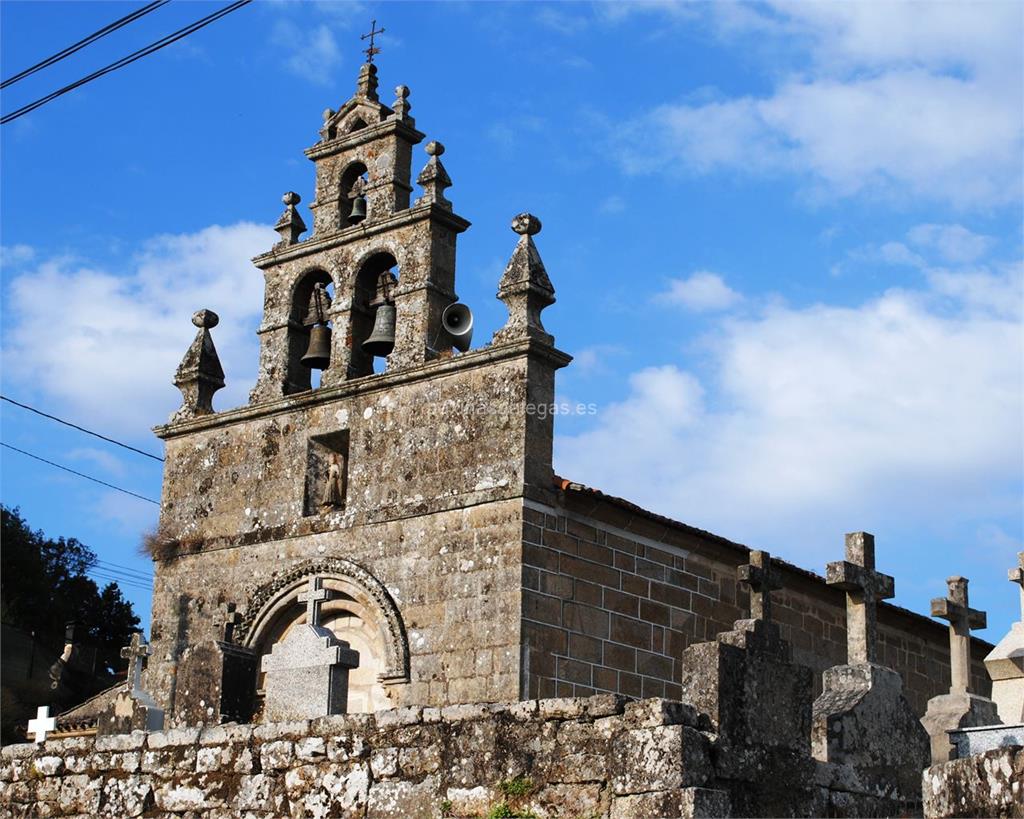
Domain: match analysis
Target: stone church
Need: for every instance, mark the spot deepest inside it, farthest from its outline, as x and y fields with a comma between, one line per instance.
x=418, y=485
x=381, y=529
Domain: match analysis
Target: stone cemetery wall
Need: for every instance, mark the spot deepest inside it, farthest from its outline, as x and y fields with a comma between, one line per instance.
x=597, y=757
x=613, y=594
x=988, y=784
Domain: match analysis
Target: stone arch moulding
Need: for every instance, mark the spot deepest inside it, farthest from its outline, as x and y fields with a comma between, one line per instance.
x=271, y=598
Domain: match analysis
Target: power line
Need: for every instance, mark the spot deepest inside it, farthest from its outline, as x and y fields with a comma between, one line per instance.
x=80, y=474
x=136, y=55
x=117, y=567
x=75, y=426
x=95, y=575
x=92, y=38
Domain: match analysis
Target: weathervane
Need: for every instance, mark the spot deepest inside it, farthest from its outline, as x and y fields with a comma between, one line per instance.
x=372, y=33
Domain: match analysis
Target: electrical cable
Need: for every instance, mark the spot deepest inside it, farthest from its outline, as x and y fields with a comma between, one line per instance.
x=115, y=567
x=136, y=55
x=80, y=429
x=92, y=38
x=80, y=474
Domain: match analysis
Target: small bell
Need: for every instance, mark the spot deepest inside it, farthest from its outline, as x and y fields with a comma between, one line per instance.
x=358, y=210
x=382, y=340
x=318, y=354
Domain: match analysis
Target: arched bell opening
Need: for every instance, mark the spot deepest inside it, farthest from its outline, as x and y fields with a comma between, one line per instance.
x=353, y=614
x=309, y=331
x=352, y=201
x=373, y=314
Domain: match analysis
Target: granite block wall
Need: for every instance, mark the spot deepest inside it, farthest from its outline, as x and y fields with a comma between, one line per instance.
x=610, y=605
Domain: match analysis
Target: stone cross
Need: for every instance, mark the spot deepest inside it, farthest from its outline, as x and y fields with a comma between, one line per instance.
x=135, y=654
x=314, y=598
x=962, y=618
x=42, y=724
x=762, y=579
x=864, y=587
x=1016, y=575
x=225, y=619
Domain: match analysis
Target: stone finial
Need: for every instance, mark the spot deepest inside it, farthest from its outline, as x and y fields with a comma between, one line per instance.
x=401, y=106
x=290, y=226
x=366, y=86
x=762, y=579
x=962, y=618
x=864, y=587
x=199, y=375
x=526, y=224
x=42, y=724
x=136, y=652
x=434, y=178
x=525, y=287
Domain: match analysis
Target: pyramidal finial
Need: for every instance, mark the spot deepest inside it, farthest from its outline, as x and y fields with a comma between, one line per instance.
x=290, y=225
x=200, y=374
x=434, y=178
x=525, y=287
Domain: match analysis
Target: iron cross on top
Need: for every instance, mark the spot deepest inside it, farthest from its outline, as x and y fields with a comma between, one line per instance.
x=373, y=32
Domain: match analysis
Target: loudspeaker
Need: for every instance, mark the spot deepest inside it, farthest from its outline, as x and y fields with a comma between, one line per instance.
x=457, y=321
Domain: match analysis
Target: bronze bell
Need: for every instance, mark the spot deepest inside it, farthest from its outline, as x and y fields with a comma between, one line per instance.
x=382, y=340
x=318, y=354
x=358, y=210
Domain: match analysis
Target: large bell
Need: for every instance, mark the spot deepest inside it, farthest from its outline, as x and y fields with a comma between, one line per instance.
x=382, y=340
x=358, y=210
x=318, y=354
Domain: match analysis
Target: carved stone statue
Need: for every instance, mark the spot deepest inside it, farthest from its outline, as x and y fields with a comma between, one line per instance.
x=333, y=494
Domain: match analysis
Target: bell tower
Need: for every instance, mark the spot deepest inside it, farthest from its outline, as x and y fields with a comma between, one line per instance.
x=387, y=260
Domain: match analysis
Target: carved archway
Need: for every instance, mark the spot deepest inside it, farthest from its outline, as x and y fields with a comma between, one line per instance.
x=362, y=613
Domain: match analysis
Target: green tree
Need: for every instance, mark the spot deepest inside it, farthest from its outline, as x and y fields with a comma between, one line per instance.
x=43, y=586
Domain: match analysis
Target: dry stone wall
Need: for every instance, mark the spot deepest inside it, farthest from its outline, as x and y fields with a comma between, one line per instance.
x=596, y=757
x=988, y=784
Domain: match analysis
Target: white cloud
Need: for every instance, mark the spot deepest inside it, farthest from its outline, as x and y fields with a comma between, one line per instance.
x=594, y=360
x=15, y=255
x=955, y=243
x=904, y=100
x=702, y=291
x=314, y=52
x=114, y=339
x=826, y=419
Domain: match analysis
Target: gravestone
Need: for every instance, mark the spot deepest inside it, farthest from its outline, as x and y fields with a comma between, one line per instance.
x=132, y=709
x=758, y=702
x=959, y=708
x=307, y=672
x=862, y=718
x=1005, y=663
x=216, y=680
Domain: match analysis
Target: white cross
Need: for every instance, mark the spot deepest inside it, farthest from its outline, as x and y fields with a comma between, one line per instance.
x=42, y=724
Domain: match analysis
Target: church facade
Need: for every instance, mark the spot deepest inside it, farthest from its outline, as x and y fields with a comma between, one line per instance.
x=407, y=484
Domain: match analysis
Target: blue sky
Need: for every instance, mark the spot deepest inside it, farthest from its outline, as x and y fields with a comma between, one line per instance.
x=786, y=242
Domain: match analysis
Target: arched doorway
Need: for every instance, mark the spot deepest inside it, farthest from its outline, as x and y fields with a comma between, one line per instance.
x=360, y=612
